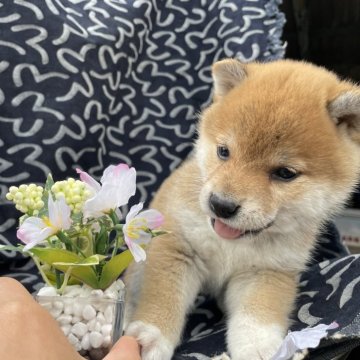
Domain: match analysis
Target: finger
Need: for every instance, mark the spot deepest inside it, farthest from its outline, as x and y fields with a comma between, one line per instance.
x=126, y=348
x=11, y=290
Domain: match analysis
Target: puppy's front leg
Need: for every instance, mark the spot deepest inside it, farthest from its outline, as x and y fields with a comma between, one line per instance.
x=258, y=306
x=170, y=285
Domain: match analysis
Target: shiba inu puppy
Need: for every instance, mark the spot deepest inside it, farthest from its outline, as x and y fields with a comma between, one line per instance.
x=277, y=155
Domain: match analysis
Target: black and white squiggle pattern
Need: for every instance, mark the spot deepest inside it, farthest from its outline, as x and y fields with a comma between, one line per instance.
x=88, y=83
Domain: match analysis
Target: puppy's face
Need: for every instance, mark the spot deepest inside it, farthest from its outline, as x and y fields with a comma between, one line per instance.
x=278, y=148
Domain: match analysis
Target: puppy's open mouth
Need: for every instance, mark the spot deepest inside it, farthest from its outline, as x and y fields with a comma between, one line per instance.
x=230, y=233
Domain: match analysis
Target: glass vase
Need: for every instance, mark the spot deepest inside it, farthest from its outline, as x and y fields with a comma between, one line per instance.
x=92, y=324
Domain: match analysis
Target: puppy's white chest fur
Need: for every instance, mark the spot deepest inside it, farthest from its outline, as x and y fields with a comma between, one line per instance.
x=217, y=260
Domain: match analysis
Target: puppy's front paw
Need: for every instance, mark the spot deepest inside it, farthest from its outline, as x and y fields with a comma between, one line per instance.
x=255, y=344
x=259, y=351
x=223, y=356
x=154, y=346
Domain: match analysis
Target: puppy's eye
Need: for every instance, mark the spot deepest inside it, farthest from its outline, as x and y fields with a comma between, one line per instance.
x=223, y=152
x=284, y=174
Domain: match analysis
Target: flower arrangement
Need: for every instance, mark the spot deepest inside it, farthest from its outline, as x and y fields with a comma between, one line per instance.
x=72, y=228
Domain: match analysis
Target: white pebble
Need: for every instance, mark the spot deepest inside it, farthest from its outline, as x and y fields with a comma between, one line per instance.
x=46, y=304
x=112, y=287
x=78, y=346
x=79, y=329
x=96, y=339
x=97, y=293
x=119, y=284
x=72, y=339
x=106, y=329
x=88, y=312
x=64, y=319
x=98, y=305
x=76, y=319
x=100, y=318
x=107, y=341
x=97, y=327
x=85, y=291
x=78, y=308
x=68, y=310
x=85, y=342
x=109, y=314
x=73, y=290
x=111, y=293
x=66, y=329
x=47, y=291
x=91, y=324
x=102, y=306
x=55, y=313
x=58, y=305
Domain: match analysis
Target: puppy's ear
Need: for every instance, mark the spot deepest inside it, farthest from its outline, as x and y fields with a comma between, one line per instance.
x=345, y=111
x=227, y=74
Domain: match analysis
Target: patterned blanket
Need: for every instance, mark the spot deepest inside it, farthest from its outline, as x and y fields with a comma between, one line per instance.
x=87, y=83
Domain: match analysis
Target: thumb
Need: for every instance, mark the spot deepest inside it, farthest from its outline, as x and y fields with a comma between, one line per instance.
x=126, y=348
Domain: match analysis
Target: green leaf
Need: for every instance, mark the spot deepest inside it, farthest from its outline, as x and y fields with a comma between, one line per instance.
x=49, y=182
x=113, y=268
x=89, y=261
x=45, y=197
x=52, y=278
x=11, y=248
x=52, y=256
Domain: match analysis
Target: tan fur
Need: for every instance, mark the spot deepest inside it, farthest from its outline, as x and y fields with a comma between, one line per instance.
x=281, y=114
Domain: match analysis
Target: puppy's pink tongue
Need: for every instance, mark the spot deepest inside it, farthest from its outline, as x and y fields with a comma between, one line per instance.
x=226, y=231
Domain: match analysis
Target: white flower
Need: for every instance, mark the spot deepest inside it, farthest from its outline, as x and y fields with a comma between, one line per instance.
x=303, y=339
x=136, y=226
x=118, y=184
x=35, y=230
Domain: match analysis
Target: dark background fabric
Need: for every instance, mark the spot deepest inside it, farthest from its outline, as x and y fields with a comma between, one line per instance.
x=89, y=84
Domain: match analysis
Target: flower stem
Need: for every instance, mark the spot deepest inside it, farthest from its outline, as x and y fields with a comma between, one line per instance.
x=66, y=279
x=116, y=245
x=63, y=238
x=57, y=278
x=118, y=227
x=79, y=250
x=114, y=217
x=45, y=278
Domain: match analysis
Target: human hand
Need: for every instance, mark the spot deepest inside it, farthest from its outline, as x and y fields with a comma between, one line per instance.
x=126, y=348
x=26, y=323
x=27, y=330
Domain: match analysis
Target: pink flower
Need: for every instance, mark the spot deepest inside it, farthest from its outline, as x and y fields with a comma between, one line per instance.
x=118, y=184
x=35, y=230
x=135, y=229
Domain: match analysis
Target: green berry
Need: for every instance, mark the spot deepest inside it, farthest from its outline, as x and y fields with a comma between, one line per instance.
x=18, y=196
x=73, y=191
x=27, y=198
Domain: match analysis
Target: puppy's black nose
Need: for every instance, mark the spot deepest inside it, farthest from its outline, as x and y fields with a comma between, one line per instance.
x=222, y=208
